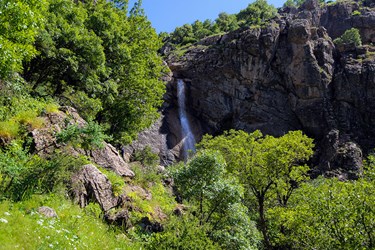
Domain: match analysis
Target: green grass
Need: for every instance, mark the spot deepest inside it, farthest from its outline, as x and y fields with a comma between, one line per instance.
x=21, y=227
x=9, y=129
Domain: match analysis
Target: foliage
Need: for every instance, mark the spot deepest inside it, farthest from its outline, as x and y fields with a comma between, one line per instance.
x=149, y=202
x=356, y=13
x=256, y=13
x=226, y=22
x=133, y=89
x=117, y=182
x=74, y=228
x=350, y=36
x=19, y=112
x=23, y=174
x=96, y=58
x=268, y=168
x=88, y=137
x=216, y=197
x=298, y=3
x=19, y=24
x=183, y=233
x=330, y=214
x=145, y=174
x=146, y=157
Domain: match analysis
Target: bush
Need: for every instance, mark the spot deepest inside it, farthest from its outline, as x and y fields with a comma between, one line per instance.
x=88, y=137
x=23, y=174
x=184, y=234
x=146, y=157
x=350, y=36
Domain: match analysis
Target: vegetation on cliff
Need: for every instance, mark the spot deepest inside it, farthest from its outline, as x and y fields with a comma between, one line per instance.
x=256, y=14
x=239, y=191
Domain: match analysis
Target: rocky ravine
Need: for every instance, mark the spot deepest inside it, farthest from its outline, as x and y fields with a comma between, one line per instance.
x=286, y=76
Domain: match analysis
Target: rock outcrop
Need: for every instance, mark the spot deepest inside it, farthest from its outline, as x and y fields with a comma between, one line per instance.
x=45, y=142
x=91, y=185
x=287, y=76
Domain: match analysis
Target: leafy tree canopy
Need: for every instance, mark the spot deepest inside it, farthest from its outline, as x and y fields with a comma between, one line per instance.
x=91, y=55
x=269, y=168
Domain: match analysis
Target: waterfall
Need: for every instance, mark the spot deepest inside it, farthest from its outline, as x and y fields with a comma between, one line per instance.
x=188, y=137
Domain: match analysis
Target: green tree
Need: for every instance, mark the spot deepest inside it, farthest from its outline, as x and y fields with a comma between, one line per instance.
x=256, y=13
x=183, y=35
x=201, y=30
x=19, y=24
x=216, y=195
x=96, y=58
x=269, y=168
x=226, y=22
x=350, y=36
x=70, y=61
x=330, y=214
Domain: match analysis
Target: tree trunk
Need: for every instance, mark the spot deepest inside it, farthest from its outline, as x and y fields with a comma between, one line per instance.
x=262, y=222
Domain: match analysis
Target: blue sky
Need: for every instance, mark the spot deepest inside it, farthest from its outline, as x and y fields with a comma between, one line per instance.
x=166, y=15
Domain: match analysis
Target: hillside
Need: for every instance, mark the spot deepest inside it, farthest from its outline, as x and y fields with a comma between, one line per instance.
x=254, y=131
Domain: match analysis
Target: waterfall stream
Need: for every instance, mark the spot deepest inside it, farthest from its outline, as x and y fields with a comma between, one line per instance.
x=188, y=137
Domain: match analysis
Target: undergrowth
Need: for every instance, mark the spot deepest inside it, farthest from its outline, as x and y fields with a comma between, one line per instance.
x=22, y=227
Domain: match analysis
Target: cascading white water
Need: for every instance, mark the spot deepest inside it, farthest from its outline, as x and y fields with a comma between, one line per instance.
x=188, y=137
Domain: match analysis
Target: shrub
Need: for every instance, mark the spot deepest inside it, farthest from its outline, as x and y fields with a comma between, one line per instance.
x=9, y=129
x=51, y=108
x=23, y=174
x=182, y=233
x=146, y=157
x=88, y=137
x=356, y=13
x=350, y=36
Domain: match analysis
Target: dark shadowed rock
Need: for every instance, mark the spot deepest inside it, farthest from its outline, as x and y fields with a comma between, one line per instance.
x=118, y=218
x=289, y=76
x=47, y=212
x=151, y=226
x=340, y=157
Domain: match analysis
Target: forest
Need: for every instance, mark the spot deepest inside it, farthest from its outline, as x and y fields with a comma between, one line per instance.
x=102, y=59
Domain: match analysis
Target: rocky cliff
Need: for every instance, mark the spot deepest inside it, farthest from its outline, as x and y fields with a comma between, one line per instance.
x=288, y=75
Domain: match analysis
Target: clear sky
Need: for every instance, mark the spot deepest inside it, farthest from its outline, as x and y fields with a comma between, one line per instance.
x=166, y=15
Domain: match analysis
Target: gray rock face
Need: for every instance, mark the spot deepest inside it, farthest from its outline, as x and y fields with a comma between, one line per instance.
x=288, y=76
x=91, y=185
x=45, y=142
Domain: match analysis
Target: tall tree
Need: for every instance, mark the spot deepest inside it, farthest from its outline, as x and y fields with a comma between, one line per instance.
x=269, y=168
x=204, y=182
x=20, y=21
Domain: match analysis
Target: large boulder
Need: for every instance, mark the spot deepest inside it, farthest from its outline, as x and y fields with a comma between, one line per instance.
x=91, y=185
